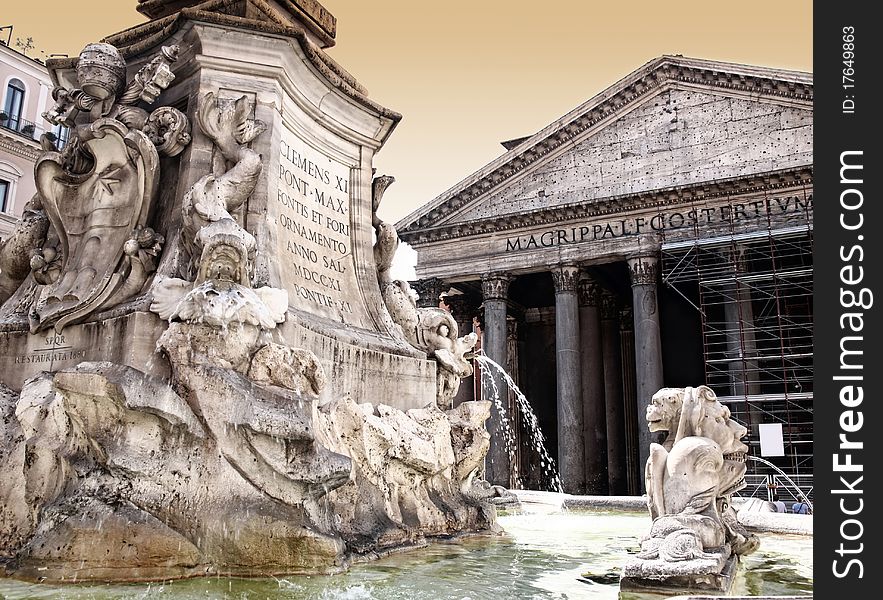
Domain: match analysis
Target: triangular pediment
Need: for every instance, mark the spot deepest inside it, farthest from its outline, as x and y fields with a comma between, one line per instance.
x=673, y=123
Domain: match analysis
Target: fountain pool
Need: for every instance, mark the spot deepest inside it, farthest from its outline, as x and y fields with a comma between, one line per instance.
x=540, y=556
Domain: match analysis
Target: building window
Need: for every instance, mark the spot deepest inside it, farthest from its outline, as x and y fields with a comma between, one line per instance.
x=5, y=189
x=14, y=104
x=9, y=176
x=62, y=134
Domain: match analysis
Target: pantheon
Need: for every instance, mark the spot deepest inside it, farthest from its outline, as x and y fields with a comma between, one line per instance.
x=658, y=235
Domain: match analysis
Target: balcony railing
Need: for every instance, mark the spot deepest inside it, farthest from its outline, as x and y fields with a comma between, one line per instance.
x=29, y=129
x=20, y=126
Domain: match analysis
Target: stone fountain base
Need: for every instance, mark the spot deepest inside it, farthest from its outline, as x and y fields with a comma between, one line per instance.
x=712, y=573
x=111, y=474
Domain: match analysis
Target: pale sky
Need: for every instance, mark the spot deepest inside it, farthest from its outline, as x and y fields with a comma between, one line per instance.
x=468, y=74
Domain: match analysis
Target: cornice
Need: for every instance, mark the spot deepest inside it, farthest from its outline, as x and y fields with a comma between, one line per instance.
x=664, y=71
x=141, y=38
x=658, y=199
x=30, y=66
x=19, y=147
x=311, y=12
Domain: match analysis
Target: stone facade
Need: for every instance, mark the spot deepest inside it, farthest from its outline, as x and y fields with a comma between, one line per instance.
x=683, y=153
x=20, y=130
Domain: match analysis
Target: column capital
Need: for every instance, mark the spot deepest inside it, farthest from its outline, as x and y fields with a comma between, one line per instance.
x=565, y=278
x=495, y=286
x=626, y=319
x=589, y=291
x=609, y=305
x=429, y=290
x=462, y=307
x=643, y=270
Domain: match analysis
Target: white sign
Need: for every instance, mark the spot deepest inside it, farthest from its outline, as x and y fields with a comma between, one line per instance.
x=771, y=441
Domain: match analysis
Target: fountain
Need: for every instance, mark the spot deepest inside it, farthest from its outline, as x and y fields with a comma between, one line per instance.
x=208, y=371
x=207, y=367
x=537, y=438
x=542, y=557
x=695, y=541
x=796, y=491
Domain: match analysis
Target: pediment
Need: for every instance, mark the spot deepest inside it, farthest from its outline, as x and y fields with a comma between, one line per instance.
x=673, y=123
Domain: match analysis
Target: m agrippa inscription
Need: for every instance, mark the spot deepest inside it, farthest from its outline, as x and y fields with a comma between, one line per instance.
x=311, y=216
x=706, y=218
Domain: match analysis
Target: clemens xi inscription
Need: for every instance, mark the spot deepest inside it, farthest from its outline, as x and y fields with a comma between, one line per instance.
x=311, y=216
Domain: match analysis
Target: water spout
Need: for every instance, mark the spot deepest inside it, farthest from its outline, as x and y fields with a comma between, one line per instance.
x=538, y=440
x=800, y=495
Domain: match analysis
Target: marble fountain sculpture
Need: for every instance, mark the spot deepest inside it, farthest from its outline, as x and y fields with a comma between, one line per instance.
x=206, y=366
x=695, y=541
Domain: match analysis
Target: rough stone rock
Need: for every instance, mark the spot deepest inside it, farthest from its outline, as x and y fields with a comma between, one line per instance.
x=287, y=367
x=266, y=434
x=198, y=344
x=470, y=441
x=408, y=462
x=106, y=457
x=16, y=518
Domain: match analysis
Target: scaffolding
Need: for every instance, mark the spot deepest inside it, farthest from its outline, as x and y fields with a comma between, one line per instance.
x=753, y=292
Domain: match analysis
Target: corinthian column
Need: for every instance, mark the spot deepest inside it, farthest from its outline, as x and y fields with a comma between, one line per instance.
x=571, y=450
x=644, y=272
x=634, y=473
x=616, y=441
x=495, y=289
x=592, y=381
x=429, y=291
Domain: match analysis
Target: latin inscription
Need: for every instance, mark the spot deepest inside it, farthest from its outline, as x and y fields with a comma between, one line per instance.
x=57, y=351
x=311, y=214
x=664, y=221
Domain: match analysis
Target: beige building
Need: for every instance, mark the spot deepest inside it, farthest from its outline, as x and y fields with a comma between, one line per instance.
x=660, y=234
x=26, y=94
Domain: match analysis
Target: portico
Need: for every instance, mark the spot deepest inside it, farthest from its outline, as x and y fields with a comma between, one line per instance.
x=578, y=233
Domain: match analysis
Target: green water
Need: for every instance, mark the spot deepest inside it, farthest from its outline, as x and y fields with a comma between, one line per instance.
x=540, y=557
